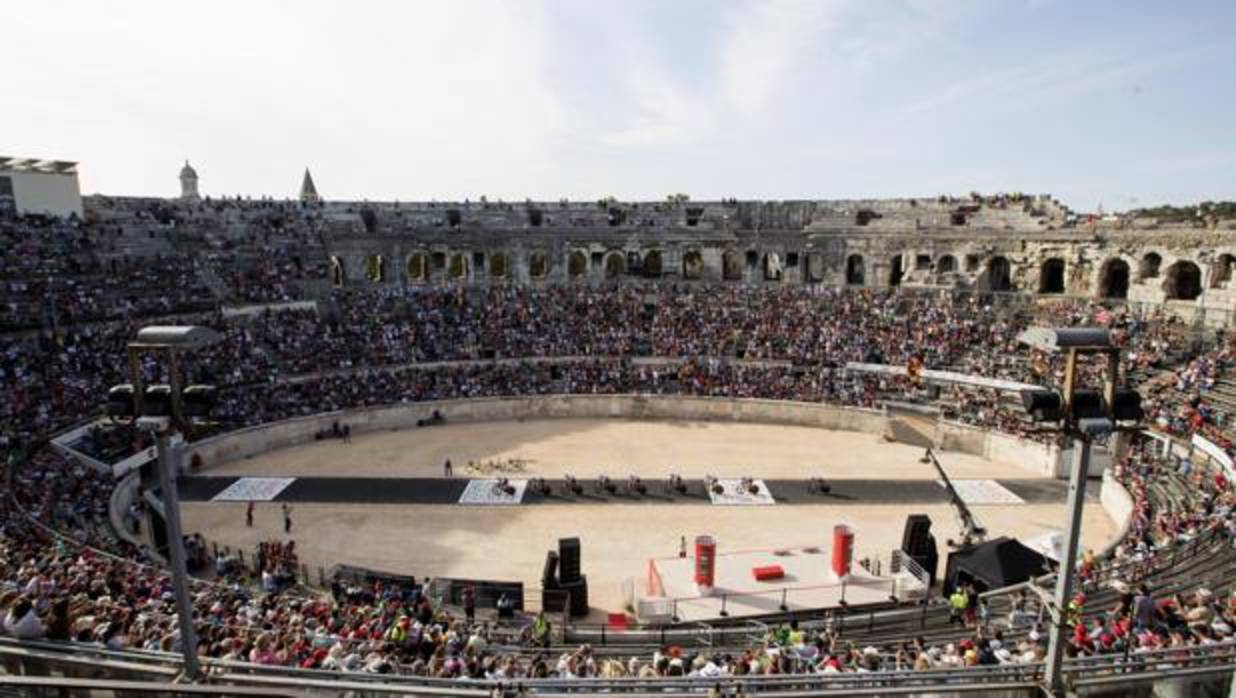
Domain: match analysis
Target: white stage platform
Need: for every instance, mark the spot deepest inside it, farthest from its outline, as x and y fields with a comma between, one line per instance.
x=809, y=583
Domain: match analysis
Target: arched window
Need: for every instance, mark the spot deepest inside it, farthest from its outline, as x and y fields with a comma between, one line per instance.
x=375, y=268
x=615, y=265
x=999, y=274
x=1184, y=281
x=652, y=264
x=855, y=271
x=946, y=264
x=1149, y=268
x=457, y=268
x=538, y=265
x=498, y=263
x=577, y=264
x=693, y=265
x=1114, y=279
x=418, y=266
x=1051, y=276
x=731, y=266
x=895, y=271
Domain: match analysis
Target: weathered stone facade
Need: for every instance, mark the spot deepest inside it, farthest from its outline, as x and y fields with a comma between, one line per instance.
x=1029, y=245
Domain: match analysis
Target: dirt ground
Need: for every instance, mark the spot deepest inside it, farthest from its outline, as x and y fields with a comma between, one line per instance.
x=618, y=539
x=617, y=447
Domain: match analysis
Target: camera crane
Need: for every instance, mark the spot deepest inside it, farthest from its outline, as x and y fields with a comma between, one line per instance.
x=971, y=531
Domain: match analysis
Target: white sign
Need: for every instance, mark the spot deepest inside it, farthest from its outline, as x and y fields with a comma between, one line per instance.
x=254, y=489
x=1215, y=451
x=733, y=492
x=983, y=492
x=491, y=492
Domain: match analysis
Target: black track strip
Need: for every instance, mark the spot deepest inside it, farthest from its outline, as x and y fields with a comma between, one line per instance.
x=383, y=490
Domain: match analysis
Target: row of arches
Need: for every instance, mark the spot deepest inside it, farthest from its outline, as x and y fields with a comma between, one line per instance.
x=1182, y=280
x=420, y=266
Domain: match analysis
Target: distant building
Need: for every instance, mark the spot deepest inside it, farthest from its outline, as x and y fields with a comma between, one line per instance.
x=188, y=183
x=308, y=192
x=47, y=187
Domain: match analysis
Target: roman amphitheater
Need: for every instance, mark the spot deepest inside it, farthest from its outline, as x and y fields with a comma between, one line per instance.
x=676, y=447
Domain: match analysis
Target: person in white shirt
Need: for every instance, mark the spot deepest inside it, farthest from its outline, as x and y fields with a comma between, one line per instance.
x=23, y=623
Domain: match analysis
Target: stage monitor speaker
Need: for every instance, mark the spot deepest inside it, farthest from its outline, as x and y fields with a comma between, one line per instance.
x=549, y=577
x=914, y=536
x=568, y=560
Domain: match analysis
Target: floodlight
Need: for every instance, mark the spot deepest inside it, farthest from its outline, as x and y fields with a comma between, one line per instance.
x=1054, y=339
x=186, y=337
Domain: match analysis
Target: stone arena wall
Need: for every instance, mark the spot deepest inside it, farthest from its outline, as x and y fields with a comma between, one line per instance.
x=252, y=441
x=1041, y=458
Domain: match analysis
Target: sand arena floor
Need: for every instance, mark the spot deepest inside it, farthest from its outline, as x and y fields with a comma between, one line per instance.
x=618, y=539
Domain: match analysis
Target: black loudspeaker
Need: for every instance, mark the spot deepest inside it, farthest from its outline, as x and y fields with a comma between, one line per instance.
x=914, y=536
x=549, y=578
x=929, y=558
x=553, y=600
x=568, y=560
x=577, y=592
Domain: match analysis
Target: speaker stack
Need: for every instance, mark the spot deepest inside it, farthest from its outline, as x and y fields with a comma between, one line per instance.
x=920, y=545
x=551, y=600
x=570, y=580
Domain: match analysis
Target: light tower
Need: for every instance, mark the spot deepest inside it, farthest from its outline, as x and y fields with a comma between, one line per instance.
x=188, y=183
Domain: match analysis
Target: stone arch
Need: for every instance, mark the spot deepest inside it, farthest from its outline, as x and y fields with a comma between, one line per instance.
x=855, y=271
x=815, y=267
x=1183, y=281
x=693, y=265
x=615, y=265
x=499, y=264
x=538, y=265
x=375, y=268
x=1149, y=266
x=417, y=267
x=773, y=267
x=653, y=264
x=577, y=264
x=1221, y=270
x=457, y=266
x=1051, y=276
x=731, y=266
x=946, y=264
x=896, y=270
x=999, y=274
x=338, y=274
x=1114, y=279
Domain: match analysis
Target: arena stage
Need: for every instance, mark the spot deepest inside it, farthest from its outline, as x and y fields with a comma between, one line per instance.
x=619, y=538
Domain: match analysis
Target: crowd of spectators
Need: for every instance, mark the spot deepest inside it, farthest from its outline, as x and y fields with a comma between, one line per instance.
x=371, y=349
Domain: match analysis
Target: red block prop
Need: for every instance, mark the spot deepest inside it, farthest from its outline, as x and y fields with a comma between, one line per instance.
x=767, y=573
x=705, y=561
x=843, y=550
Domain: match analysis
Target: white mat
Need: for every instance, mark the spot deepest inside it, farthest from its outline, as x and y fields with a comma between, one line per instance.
x=983, y=492
x=256, y=489
x=732, y=495
x=487, y=492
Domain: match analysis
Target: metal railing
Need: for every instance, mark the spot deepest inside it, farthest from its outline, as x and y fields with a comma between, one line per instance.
x=46, y=665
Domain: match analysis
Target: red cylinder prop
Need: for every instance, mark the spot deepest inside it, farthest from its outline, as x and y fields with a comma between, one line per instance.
x=843, y=549
x=705, y=561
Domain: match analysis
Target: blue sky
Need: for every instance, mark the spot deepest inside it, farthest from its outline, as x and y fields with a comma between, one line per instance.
x=1122, y=104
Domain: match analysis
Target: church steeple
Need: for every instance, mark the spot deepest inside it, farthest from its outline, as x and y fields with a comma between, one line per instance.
x=308, y=192
x=188, y=183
